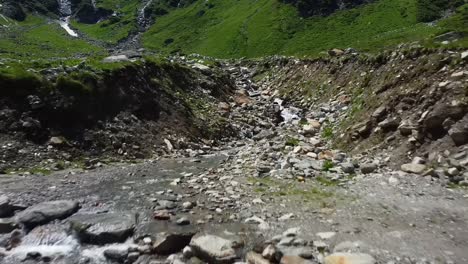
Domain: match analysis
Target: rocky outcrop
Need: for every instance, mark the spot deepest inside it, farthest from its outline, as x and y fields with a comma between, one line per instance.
x=45, y=212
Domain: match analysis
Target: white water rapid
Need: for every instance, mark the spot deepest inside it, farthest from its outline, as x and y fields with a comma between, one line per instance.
x=65, y=13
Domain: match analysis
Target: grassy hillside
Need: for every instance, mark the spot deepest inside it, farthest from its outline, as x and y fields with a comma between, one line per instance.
x=227, y=28
x=38, y=38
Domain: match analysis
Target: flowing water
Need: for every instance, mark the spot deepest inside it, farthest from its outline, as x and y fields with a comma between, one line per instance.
x=65, y=13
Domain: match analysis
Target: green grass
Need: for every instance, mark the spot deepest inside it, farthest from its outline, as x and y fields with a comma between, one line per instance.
x=267, y=27
x=38, y=38
x=292, y=142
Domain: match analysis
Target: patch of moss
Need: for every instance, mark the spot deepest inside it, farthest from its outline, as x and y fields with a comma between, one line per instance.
x=292, y=142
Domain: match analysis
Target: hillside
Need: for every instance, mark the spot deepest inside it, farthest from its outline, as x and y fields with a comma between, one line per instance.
x=225, y=28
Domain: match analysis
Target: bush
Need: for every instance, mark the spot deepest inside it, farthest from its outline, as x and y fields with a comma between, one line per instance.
x=70, y=86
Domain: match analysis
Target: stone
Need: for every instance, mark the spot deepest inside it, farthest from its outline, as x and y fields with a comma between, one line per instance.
x=336, y=52
x=162, y=215
x=309, y=164
x=188, y=205
x=380, y=112
x=326, y=235
x=389, y=124
x=349, y=258
x=308, y=130
x=459, y=132
x=57, y=141
x=452, y=172
x=7, y=225
x=367, y=168
x=350, y=247
x=272, y=253
x=255, y=258
x=99, y=229
x=347, y=167
x=115, y=58
x=183, y=221
x=116, y=254
x=294, y=260
x=215, y=249
x=464, y=55
x=169, y=238
x=6, y=209
x=45, y=212
x=413, y=168
x=406, y=127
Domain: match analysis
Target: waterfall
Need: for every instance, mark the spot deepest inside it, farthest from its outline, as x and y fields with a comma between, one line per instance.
x=65, y=13
x=93, y=2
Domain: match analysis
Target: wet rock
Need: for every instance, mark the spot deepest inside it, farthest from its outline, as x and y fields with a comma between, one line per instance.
x=169, y=238
x=46, y=212
x=255, y=258
x=413, y=168
x=7, y=225
x=349, y=258
x=214, y=249
x=105, y=228
x=367, y=168
x=116, y=254
x=6, y=209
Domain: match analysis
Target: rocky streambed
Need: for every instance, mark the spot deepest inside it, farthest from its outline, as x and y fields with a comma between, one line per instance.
x=279, y=192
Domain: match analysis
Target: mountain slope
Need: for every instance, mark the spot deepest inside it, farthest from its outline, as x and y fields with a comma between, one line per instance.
x=267, y=27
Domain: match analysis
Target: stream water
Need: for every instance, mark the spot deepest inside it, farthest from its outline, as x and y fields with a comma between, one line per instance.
x=65, y=13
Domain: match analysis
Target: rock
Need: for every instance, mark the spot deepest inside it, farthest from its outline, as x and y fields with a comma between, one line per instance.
x=336, y=52
x=188, y=205
x=379, y=113
x=349, y=258
x=272, y=253
x=367, y=168
x=255, y=258
x=224, y=107
x=169, y=238
x=350, y=247
x=464, y=55
x=406, y=127
x=105, y=228
x=309, y=164
x=452, y=172
x=45, y=212
x=7, y=225
x=449, y=36
x=6, y=209
x=308, y=130
x=115, y=58
x=162, y=215
x=413, y=168
x=433, y=122
x=183, y=221
x=116, y=254
x=389, y=124
x=214, y=249
x=326, y=235
x=294, y=260
x=57, y=141
x=459, y=132
x=347, y=167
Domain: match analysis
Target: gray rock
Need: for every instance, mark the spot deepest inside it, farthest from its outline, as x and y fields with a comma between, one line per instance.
x=389, y=124
x=367, y=168
x=116, y=254
x=309, y=164
x=347, y=167
x=413, y=168
x=214, y=249
x=102, y=229
x=459, y=132
x=169, y=238
x=7, y=225
x=6, y=209
x=46, y=212
x=115, y=58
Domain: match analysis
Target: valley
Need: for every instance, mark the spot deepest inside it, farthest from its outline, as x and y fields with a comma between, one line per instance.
x=258, y=132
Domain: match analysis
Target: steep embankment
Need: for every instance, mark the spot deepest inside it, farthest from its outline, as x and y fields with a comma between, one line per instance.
x=127, y=111
x=400, y=104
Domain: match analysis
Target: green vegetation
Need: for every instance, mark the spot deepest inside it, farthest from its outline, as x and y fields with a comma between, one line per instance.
x=37, y=38
x=267, y=27
x=430, y=10
x=328, y=165
x=327, y=132
x=292, y=142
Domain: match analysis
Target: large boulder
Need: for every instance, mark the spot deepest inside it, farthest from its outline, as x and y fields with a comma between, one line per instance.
x=459, y=132
x=99, y=229
x=215, y=249
x=7, y=225
x=167, y=238
x=413, y=168
x=46, y=212
x=433, y=123
x=6, y=209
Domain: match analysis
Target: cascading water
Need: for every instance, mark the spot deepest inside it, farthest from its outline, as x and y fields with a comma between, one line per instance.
x=143, y=21
x=65, y=13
